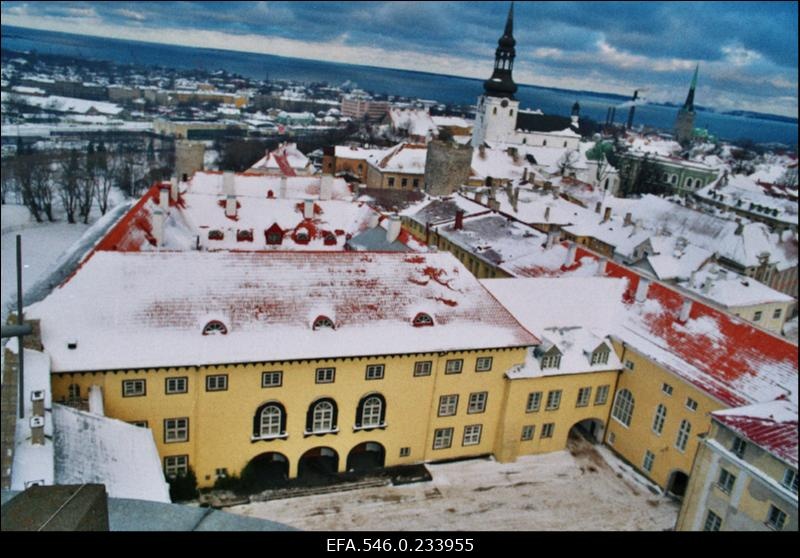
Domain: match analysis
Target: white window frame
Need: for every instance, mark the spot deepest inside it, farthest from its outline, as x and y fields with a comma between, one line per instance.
x=659, y=419
x=477, y=402
x=448, y=405
x=584, y=397
x=326, y=375
x=219, y=381
x=691, y=404
x=375, y=371
x=322, y=417
x=422, y=368
x=629, y=365
x=483, y=364
x=454, y=366
x=649, y=459
x=472, y=435
x=270, y=375
x=553, y=400
x=551, y=361
x=713, y=522
x=442, y=438
x=776, y=314
x=140, y=386
x=269, y=425
x=779, y=521
x=758, y=315
x=176, y=430
x=738, y=447
x=726, y=480
x=371, y=412
x=547, y=430
x=405, y=452
x=622, y=411
x=176, y=466
x=528, y=432
x=176, y=385
x=684, y=432
x=600, y=357
x=534, y=402
x=666, y=389
x=602, y=391
x=790, y=480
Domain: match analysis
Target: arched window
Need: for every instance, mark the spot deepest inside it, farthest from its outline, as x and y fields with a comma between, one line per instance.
x=422, y=319
x=623, y=407
x=323, y=321
x=371, y=411
x=658, y=420
x=269, y=421
x=321, y=417
x=215, y=327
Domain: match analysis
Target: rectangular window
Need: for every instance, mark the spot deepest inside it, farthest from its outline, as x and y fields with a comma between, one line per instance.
x=391, y=182
x=176, y=466
x=584, y=396
x=221, y=472
x=405, y=452
x=738, y=447
x=726, y=481
x=659, y=419
x=325, y=375
x=477, y=402
x=176, y=430
x=374, y=371
x=713, y=522
x=691, y=404
x=553, y=400
x=776, y=314
x=601, y=397
x=134, y=388
x=666, y=388
x=177, y=385
x=416, y=183
x=217, y=383
x=551, y=361
x=547, y=430
x=472, y=435
x=483, y=364
x=776, y=518
x=139, y=423
x=629, y=364
x=534, y=402
x=599, y=357
x=454, y=366
x=790, y=480
x=448, y=405
x=683, y=435
x=442, y=438
x=527, y=432
x=649, y=458
x=272, y=379
x=423, y=368
x=757, y=316
x=403, y=182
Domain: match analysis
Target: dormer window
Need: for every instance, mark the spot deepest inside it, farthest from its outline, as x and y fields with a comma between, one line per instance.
x=330, y=239
x=422, y=319
x=552, y=360
x=244, y=235
x=599, y=356
x=323, y=322
x=216, y=235
x=215, y=327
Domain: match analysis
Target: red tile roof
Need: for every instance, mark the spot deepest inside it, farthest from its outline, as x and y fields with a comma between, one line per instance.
x=777, y=436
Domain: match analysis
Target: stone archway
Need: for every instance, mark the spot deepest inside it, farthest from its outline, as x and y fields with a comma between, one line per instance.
x=318, y=466
x=677, y=483
x=367, y=456
x=266, y=470
x=591, y=429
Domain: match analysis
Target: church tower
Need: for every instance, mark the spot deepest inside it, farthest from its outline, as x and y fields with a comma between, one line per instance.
x=496, y=117
x=684, y=123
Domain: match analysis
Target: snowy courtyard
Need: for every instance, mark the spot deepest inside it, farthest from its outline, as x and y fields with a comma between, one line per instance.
x=584, y=489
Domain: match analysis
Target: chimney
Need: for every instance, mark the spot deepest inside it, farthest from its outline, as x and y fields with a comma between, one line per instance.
x=308, y=209
x=573, y=248
x=628, y=220
x=163, y=198
x=173, y=189
x=228, y=183
x=230, y=206
x=427, y=233
x=459, y=224
x=96, y=400
x=525, y=174
x=547, y=213
x=494, y=205
x=512, y=152
x=552, y=238
x=597, y=207
x=326, y=187
x=601, y=266
x=37, y=430
x=739, y=227
x=283, y=188
x=158, y=226
x=606, y=215
x=685, y=310
x=707, y=285
x=693, y=279
x=641, y=289
x=393, y=228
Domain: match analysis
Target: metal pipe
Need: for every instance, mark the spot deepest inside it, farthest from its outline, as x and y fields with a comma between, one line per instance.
x=19, y=336
x=16, y=330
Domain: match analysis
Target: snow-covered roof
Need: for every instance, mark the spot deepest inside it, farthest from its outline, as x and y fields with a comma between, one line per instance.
x=732, y=290
x=614, y=232
x=440, y=210
x=406, y=158
x=91, y=448
x=653, y=145
x=535, y=206
x=492, y=237
x=771, y=425
x=360, y=153
x=454, y=121
x=286, y=159
x=162, y=301
x=416, y=122
x=675, y=259
x=65, y=104
x=744, y=193
x=498, y=164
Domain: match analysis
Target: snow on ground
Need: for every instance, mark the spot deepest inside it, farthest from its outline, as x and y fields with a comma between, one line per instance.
x=585, y=488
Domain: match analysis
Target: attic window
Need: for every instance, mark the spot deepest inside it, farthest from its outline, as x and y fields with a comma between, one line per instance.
x=330, y=239
x=216, y=235
x=600, y=357
x=72, y=345
x=215, y=327
x=422, y=319
x=551, y=361
x=323, y=321
x=244, y=235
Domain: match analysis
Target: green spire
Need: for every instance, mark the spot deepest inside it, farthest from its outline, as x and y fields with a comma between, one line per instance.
x=689, y=104
x=694, y=79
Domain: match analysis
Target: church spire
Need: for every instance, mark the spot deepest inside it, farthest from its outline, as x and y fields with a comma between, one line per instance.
x=689, y=104
x=501, y=84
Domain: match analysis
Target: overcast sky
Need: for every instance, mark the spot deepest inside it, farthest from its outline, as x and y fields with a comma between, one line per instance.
x=747, y=50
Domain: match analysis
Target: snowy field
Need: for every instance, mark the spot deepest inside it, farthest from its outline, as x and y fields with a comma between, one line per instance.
x=584, y=489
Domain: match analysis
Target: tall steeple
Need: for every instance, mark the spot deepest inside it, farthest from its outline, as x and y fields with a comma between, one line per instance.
x=501, y=84
x=689, y=104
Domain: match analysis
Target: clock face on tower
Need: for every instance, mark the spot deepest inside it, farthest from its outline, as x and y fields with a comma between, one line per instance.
x=504, y=103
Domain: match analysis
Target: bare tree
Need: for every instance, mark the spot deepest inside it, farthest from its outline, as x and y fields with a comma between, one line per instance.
x=23, y=171
x=8, y=182
x=567, y=163
x=107, y=176
x=69, y=191
x=42, y=182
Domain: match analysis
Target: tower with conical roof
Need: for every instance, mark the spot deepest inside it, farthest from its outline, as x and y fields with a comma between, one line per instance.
x=496, y=118
x=684, y=123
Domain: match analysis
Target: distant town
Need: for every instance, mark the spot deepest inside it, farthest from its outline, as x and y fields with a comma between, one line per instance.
x=253, y=290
